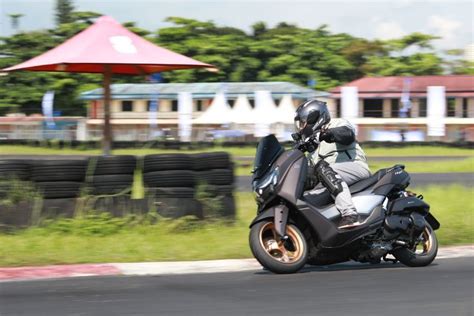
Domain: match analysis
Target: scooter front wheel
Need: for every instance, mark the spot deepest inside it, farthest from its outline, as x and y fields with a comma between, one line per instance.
x=276, y=254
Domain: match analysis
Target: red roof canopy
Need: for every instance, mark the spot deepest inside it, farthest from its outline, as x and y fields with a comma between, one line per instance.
x=104, y=44
x=392, y=87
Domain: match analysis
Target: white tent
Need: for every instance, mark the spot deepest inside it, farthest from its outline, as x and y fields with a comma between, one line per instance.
x=286, y=111
x=285, y=115
x=242, y=112
x=217, y=113
x=264, y=113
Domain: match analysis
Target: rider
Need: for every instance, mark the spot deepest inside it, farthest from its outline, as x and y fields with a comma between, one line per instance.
x=339, y=160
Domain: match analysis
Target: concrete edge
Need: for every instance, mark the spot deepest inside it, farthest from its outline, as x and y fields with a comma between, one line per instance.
x=164, y=268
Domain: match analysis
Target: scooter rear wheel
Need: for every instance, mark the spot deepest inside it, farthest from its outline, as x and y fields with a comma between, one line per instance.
x=275, y=254
x=422, y=253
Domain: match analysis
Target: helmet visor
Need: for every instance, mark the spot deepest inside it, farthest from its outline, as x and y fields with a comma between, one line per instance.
x=299, y=125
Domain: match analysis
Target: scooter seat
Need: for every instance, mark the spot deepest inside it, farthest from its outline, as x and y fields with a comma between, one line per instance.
x=365, y=183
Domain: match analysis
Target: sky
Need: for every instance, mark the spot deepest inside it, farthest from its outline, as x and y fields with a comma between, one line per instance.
x=450, y=19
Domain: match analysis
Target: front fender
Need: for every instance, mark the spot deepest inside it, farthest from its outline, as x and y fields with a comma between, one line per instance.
x=279, y=214
x=432, y=221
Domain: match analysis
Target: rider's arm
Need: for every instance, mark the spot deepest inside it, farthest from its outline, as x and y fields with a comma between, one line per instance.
x=343, y=135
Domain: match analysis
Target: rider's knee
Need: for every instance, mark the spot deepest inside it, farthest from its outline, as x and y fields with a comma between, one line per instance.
x=329, y=178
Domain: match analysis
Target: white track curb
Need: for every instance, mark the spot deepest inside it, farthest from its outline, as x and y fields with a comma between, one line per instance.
x=163, y=268
x=237, y=265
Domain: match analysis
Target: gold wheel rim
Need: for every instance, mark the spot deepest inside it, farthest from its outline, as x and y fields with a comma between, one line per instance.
x=288, y=251
x=424, y=246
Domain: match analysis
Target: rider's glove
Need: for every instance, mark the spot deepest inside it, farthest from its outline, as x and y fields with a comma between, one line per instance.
x=326, y=135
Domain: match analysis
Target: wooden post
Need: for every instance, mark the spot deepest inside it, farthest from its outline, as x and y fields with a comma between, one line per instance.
x=107, y=137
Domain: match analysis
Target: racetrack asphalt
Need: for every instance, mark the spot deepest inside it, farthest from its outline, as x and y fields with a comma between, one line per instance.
x=443, y=288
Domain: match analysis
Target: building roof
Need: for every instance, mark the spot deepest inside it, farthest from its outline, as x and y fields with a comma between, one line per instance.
x=202, y=90
x=392, y=87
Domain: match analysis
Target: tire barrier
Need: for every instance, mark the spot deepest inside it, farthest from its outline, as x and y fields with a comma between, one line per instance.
x=111, y=184
x=170, y=179
x=114, y=165
x=167, y=162
x=110, y=175
x=15, y=168
x=175, y=185
x=207, y=161
x=58, y=170
x=58, y=179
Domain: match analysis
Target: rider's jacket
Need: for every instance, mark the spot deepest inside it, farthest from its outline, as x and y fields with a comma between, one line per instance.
x=342, y=145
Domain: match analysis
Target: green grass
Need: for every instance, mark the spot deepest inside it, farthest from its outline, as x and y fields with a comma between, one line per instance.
x=236, y=151
x=30, y=150
x=453, y=206
x=464, y=165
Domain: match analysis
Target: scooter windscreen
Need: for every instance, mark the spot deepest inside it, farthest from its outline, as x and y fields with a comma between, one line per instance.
x=268, y=150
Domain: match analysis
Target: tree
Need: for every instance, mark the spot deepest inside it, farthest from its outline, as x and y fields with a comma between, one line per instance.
x=64, y=10
x=15, y=20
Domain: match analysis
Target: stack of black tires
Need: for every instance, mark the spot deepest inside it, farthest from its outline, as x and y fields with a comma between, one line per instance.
x=111, y=174
x=170, y=182
x=215, y=171
x=110, y=183
x=15, y=168
x=59, y=182
x=58, y=179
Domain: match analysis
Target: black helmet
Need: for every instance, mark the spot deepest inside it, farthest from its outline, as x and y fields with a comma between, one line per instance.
x=310, y=117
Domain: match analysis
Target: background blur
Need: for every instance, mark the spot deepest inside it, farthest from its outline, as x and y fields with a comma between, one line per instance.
x=295, y=50
x=401, y=71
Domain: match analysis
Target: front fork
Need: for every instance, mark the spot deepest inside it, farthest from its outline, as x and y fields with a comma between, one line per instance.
x=281, y=219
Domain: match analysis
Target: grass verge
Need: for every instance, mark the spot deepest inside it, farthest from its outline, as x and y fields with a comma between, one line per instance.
x=465, y=165
x=237, y=151
x=110, y=240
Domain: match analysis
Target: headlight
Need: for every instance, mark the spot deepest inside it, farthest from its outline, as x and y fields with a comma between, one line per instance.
x=270, y=179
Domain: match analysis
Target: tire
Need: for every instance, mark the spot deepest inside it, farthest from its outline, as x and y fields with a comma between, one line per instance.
x=14, y=168
x=216, y=176
x=167, y=162
x=169, y=178
x=113, y=165
x=263, y=232
x=207, y=161
x=59, y=189
x=58, y=170
x=430, y=249
x=110, y=184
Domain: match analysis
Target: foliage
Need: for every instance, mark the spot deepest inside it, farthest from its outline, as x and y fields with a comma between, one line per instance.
x=64, y=9
x=13, y=191
x=284, y=52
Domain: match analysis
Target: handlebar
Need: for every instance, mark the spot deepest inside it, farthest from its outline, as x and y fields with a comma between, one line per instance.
x=309, y=144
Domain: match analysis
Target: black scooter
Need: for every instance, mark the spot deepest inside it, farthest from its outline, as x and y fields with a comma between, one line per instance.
x=294, y=227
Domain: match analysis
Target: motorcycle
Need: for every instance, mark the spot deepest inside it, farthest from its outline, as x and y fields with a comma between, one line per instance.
x=295, y=226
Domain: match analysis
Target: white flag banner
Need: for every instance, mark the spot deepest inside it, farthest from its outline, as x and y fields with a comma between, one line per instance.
x=185, y=116
x=153, y=112
x=436, y=111
x=350, y=104
x=47, y=107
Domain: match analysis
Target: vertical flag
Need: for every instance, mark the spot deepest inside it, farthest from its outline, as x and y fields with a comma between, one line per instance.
x=185, y=116
x=154, y=103
x=405, y=98
x=350, y=104
x=436, y=111
x=47, y=107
